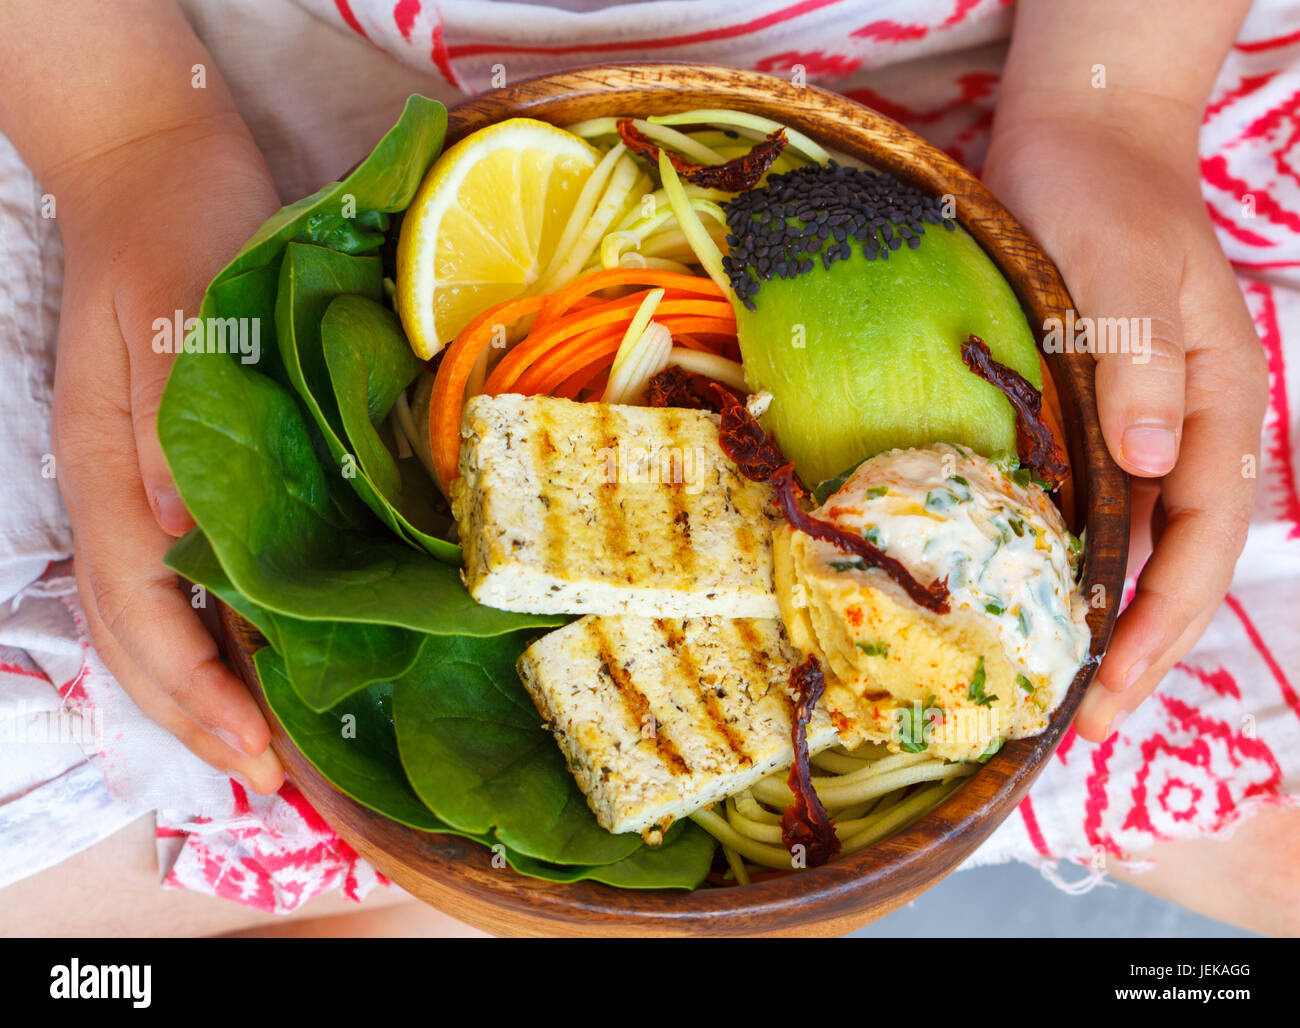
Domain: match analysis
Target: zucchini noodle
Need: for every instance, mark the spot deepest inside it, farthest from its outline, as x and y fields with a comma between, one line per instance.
x=664, y=219
x=736, y=864
x=705, y=248
x=710, y=365
x=567, y=264
x=685, y=144
x=869, y=794
x=584, y=206
x=641, y=354
x=632, y=259
x=797, y=140
x=659, y=200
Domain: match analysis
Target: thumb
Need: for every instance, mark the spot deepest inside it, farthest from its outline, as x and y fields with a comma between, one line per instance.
x=1137, y=340
x=148, y=373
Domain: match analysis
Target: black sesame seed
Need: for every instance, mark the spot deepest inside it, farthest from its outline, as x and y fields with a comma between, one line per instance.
x=780, y=229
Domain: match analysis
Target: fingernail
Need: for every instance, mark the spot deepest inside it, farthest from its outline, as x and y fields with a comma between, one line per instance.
x=172, y=513
x=1115, y=722
x=1150, y=449
x=235, y=776
x=1136, y=670
x=233, y=741
x=268, y=760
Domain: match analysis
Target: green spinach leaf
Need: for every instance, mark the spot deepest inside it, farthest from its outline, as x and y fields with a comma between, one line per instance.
x=681, y=861
x=352, y=745
x=385, y=181
x=244, y=464
x=475, y=751
x=311, y=279
x=361, y=233
x=325, y=661
x=370, y=363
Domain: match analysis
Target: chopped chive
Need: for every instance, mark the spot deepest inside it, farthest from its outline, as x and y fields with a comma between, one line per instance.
x=1024, y=683
x=874, y=649
x=992, y=749
x=877, y=491
x=994, y=608
x=975, y=693
x=939, y=500
x=1005, y=461
x=911, y=735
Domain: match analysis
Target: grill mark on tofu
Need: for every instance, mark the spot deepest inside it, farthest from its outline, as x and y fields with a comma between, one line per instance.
x=690, y=670
x=546, y=456
x=612, y=515
x=757, y=660
x=672, y=475
x=746, y=541
x=636, y=702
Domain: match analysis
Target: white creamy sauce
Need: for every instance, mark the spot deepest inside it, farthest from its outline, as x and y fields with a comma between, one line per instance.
x=1003, y=547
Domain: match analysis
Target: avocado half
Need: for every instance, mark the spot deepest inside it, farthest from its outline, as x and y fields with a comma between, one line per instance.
x=862, y=354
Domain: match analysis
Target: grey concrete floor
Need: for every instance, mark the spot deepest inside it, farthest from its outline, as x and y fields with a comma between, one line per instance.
x=1014, y=900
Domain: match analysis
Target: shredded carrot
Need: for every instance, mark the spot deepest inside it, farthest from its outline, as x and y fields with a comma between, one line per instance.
x=506, y=374
x=571, y=387
x=453, y=375
x=543, y=377
x=698, y=326
x=542, y=371
x=595, y=389
x=574, y=359
x=538, y=341
x=572, y=337
x=563, y=299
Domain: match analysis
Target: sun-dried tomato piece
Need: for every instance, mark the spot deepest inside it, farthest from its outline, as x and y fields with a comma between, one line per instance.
x=932, y=597
x=1035, y=442
x=759, y=459
x=674, y=387
x=805, y=822
x=743, y=440
x=733, y=176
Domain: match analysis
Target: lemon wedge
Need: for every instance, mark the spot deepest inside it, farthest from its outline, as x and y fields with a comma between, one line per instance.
x=484, y=225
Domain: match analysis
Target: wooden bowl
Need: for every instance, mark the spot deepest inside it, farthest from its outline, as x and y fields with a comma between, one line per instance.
x=457, y=876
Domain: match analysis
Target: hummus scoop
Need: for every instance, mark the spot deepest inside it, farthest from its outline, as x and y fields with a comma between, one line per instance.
x=958, y=684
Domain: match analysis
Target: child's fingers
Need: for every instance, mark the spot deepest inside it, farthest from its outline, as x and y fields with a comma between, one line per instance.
x=1207, y=501
x=1103, y=710
x=148, y=378
x=263, y=773
x=1138, y=344
x=145, y=629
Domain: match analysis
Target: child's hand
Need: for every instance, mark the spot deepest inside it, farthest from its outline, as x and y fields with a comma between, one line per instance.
x=1115, y=201
x=145, y=227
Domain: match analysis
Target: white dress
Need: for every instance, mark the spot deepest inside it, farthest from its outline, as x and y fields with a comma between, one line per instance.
x=318, y=82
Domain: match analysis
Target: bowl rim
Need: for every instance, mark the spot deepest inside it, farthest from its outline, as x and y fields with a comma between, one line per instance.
x=457, y=874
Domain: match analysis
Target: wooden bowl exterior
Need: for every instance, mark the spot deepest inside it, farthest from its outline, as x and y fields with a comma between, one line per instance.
x=458, y=877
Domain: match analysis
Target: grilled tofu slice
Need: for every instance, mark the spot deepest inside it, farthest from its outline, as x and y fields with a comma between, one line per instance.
x=589, y=508
x=659, y=717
